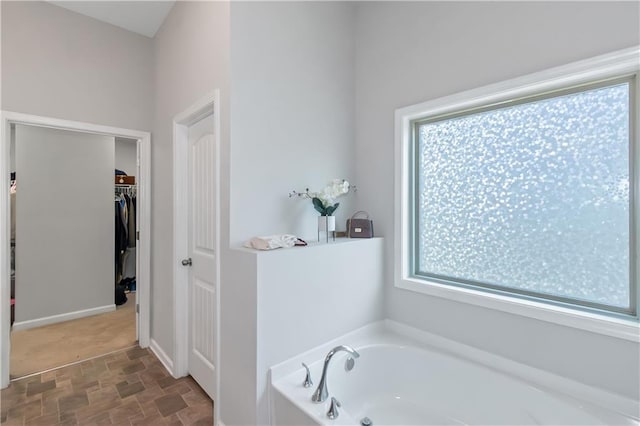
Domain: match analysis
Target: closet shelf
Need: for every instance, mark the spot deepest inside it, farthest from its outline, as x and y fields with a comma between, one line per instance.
x=125, y=180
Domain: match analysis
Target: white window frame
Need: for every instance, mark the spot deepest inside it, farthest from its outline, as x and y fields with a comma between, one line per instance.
x=615, y=64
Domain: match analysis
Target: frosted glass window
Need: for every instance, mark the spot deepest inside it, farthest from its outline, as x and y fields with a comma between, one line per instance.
x=532, y=198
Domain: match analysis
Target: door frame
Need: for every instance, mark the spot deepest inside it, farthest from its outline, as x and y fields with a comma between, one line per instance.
x=143, y=289
x=209, y=104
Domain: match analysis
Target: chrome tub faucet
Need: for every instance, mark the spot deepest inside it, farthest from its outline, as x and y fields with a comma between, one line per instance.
x=321, y=393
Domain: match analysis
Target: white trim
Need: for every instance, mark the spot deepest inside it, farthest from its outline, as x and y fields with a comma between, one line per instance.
x=162, y=356
x=144, y=211
x=143, y=245
x=218, y=188
x=5, y=268
x=209, y=104
x=53, y=319
x=602, y=67
x=180, y=249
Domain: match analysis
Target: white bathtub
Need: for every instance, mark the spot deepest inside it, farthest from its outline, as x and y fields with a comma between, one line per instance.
x=407, y=377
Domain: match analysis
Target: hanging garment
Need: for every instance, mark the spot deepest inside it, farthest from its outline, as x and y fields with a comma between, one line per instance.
x=129, y=263
x=131, y=223
x=117, y=234
x=120, y=296
x=121, y=235
x=13, y=215
x=134, y=204
x=124, y=217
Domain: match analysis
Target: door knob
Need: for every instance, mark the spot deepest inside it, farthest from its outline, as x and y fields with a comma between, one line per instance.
x=186, y=262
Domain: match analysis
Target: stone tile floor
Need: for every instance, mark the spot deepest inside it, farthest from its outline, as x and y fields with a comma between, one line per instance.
x=129, y=387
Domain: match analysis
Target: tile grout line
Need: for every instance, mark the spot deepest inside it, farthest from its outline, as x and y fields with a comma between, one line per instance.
x=73, y=363
x=167, y=400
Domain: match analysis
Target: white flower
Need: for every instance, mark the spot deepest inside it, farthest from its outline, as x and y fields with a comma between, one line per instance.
x=335, y=189
x=343, y=187
x=327, y=196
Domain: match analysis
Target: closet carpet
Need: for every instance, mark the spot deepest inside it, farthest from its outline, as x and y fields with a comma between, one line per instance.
x=129, y=387
x=42, y=348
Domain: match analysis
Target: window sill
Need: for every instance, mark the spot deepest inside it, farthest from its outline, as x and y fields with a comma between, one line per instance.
x=600, y=324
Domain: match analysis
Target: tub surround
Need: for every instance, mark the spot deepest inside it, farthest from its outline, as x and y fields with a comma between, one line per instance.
x=390, y=350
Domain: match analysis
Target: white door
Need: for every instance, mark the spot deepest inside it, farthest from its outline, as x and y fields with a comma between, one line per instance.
x=202, y=276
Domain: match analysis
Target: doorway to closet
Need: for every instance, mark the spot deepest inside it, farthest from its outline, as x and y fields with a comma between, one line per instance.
x=75, y=271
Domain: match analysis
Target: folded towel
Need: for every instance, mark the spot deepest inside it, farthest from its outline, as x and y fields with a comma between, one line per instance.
x=271, y=242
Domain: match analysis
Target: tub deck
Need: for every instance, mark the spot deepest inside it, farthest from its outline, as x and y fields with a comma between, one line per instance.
x=407, y=377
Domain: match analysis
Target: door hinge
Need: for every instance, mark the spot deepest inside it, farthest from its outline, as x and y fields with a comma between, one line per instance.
x=138, y=235
x=137, y=308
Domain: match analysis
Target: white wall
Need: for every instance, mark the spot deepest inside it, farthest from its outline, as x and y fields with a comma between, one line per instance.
x=191, y=59
x=309, y=296
x=126, y=155
x=61, y=64
x=64, y=222
x=292, y=113
x=237, y=400
x=412, y=52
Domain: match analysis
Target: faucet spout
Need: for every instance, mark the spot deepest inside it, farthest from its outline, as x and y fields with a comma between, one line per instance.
x=321, y=393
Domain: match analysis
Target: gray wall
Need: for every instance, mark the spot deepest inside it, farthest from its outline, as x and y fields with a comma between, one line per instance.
x=64, y=222
x=191, y=58
x=126, y=155
x=61, y=64
x=292, y=113
x=412, y=52
x=12, y=150
x=99, y=73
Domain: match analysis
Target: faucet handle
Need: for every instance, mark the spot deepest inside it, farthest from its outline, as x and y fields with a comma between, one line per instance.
x=333, y=409
x=307, y=380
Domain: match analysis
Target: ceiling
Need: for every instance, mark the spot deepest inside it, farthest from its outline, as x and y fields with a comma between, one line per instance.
x=142, y=17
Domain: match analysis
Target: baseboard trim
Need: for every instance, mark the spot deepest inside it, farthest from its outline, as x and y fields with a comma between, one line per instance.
x=161, y=355
x=53, y=319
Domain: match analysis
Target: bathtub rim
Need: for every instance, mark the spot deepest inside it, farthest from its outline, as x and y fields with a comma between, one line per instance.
x=392, y=332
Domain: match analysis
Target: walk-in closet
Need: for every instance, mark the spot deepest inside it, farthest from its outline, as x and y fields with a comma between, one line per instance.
x=73, y=246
